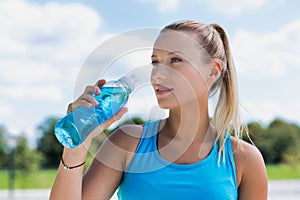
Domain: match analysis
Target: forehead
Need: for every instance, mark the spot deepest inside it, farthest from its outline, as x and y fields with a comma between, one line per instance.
x=183, y=42
x=171, y=40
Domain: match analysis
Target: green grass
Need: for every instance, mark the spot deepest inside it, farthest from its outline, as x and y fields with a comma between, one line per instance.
x=283, y=172
x=28, y=180
x=44, y=178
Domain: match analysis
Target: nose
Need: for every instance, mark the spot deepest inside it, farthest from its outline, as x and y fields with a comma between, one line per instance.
x=159, y=72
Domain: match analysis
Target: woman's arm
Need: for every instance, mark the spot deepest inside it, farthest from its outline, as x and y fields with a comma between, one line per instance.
x=251, y=173
x=68, y=182
x=112, y=159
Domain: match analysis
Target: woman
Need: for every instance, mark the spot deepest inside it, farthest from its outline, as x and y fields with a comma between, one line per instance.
x=186, y=155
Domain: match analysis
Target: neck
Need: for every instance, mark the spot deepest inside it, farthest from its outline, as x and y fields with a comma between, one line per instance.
x=188, y=123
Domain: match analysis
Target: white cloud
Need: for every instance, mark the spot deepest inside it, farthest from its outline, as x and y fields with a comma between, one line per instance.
x=163, y=6
x=271, y=54
x=267, y=110
x=51, y=31
x=269, y=62
x=229, y=7
x=234, y=7
x=50, y=93
x=6, y=110
x=43, y=44
x=42, y=48
x=41, y=53
x=168, y=5
x=117, y=56
x=17, y=72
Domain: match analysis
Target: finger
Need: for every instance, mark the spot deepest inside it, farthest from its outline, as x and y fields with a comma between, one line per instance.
x=82, y=102
x=92, y=89
x=89, y=98
x=78, y=103
x=100, y=82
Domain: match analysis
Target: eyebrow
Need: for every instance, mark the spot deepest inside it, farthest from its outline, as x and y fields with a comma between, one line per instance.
x=170, y=53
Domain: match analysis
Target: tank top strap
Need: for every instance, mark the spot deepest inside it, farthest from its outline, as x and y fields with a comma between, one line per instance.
x=148, y=137
x=229, y=159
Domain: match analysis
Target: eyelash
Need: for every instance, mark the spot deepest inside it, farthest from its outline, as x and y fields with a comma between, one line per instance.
x=173, y=60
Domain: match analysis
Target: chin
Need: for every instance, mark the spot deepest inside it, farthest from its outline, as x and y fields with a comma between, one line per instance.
x=167, y=104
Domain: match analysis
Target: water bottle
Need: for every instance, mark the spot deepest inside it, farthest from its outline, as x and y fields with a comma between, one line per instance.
x=74, y=128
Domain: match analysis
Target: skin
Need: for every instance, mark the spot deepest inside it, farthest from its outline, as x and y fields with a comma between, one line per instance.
x=182, y=82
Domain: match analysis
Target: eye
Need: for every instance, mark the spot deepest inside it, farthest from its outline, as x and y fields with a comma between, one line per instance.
x=154, y=62
x=175, y=60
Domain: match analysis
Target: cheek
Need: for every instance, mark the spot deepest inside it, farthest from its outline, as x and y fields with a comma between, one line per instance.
x=196, y=78
x=192, y=86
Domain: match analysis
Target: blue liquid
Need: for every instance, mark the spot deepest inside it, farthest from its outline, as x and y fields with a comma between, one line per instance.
x=111, y=100
x=75, y=127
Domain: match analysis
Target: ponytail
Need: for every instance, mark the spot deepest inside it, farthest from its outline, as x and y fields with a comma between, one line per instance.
x=226, y=116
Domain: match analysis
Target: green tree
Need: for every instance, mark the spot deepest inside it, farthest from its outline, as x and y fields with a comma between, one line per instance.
x=257, y=136
x=281, y=140
x=48, y=145
x=133, y=120
x=26, y=158
x=256, y=131
x=3, y=148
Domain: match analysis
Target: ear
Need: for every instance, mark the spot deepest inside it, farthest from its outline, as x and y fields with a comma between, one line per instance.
x=215, y=71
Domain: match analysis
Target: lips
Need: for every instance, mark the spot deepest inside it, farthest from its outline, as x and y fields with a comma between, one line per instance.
x=160, y=89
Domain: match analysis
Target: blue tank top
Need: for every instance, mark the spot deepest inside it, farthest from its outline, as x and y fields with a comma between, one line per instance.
x=149, y=176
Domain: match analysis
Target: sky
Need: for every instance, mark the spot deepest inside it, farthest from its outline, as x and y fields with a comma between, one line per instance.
x=45, y=45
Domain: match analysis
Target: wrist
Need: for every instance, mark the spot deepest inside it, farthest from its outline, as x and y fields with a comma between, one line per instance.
x=68, y=167
x=74, y=156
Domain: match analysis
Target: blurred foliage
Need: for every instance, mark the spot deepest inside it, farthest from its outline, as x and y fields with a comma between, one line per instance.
x=51, y=149
x=3, y=148
x=25, y=158
x=279, y=142
x=48, y=145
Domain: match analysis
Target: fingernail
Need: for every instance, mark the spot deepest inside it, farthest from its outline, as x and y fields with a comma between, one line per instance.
x=101, y=82
x=97, y=91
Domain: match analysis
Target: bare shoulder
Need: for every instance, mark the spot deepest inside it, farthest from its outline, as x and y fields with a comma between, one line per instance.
x=251, y=170
x=106, y=171
x=127, y=137
x=119, y=147
x=245, y=152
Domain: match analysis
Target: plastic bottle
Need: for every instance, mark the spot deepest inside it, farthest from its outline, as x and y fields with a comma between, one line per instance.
x=74, y=128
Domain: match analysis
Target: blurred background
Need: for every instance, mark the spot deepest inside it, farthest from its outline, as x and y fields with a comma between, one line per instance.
x=45, y=44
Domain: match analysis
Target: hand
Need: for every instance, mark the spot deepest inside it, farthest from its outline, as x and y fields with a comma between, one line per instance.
x=87, y=99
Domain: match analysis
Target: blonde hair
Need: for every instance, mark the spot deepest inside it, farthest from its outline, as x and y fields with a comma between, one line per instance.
x=213, y=39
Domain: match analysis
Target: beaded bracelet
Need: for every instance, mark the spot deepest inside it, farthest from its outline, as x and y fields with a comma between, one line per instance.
x=67, y=167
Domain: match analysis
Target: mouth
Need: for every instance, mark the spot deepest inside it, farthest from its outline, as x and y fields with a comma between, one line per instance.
x=160, y=89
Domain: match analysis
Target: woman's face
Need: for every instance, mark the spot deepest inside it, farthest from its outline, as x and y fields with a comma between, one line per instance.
x=180, y=74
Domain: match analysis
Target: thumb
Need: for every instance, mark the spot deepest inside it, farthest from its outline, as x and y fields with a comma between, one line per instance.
x=109, y=122
x=114, y=118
